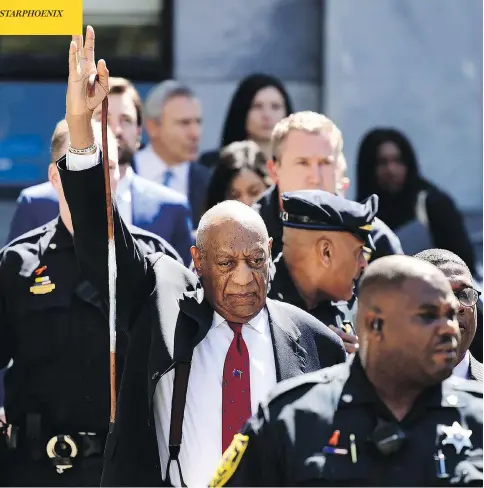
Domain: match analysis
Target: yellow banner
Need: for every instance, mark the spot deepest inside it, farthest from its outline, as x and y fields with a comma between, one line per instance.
x=40, y=17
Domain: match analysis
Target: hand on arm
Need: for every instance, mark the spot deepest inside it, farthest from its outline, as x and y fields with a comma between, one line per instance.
x=350, y=341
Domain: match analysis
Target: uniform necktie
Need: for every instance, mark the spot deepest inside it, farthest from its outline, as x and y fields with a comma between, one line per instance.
x=167, y=177
x=236, y=407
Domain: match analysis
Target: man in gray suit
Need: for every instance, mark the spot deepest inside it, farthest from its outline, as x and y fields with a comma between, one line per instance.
x=461, y=281
x=173, y=121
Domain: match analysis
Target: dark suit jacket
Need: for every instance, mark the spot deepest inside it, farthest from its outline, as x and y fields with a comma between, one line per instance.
x=198, y=180
x=210, y=159
x=475, y=369
x=155, y=208
x=161, y=305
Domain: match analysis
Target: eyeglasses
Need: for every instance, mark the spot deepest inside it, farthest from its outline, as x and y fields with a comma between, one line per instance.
x=468, y=297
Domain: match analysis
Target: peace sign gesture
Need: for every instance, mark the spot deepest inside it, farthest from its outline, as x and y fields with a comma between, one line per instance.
x=82, y=69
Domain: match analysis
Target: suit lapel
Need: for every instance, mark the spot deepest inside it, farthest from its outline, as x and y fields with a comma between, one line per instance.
x=289, y=356
x=193, y=323
x=475, y=369
x=200, y=314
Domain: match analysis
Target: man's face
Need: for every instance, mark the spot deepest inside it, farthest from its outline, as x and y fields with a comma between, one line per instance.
x=462, y=285
x=178, y=130
x=234, y=269
x=391, y=171
x=346, y=262
x=420, y=335
x=306, y=162
x=122, y=119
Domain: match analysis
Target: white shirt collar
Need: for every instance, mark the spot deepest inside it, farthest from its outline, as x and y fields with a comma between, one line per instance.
x=151, y=167
x=125, y=182
x=147, y=156
x=257, y=323
x=462, y=369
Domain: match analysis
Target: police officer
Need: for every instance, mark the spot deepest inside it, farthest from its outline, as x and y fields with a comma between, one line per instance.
x=54, y=326
x=325, y=242
x=390, y=416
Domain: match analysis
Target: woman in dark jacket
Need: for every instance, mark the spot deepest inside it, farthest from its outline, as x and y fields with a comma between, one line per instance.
x=259, y=102
x=421, y=215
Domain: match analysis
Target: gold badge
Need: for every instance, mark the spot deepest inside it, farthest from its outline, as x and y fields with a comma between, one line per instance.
x=230, y=460
x=42, y=284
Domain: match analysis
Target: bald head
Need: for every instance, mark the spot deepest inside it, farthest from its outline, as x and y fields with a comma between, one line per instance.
x=232, y=258
x=392, y=272
x=230, y=213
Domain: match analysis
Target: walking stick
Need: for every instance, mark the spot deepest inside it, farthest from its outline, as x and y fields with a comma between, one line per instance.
x=112, y=271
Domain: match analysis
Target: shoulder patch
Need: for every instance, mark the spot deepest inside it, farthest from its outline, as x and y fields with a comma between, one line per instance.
x=32, y=235
x=230, y=460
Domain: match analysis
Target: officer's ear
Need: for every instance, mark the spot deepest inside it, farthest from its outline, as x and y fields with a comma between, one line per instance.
x=54, y=176
x=272, y=169
x=325, y=251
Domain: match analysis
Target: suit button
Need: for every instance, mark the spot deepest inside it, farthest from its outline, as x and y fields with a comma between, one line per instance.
x=155, y=375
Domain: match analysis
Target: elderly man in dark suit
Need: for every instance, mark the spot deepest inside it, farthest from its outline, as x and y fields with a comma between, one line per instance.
x=202, y=353
x=460, y=278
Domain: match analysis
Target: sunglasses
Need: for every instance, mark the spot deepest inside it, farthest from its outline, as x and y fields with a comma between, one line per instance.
x=468, y=297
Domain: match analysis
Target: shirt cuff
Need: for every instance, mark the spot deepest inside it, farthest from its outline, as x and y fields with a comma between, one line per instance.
x=78, y=162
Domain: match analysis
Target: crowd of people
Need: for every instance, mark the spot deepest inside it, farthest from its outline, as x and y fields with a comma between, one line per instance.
x=269, y=331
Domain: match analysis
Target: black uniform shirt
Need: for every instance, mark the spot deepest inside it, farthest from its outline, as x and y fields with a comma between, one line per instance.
x=282, y=288
x=54, y=326
x=283, y=445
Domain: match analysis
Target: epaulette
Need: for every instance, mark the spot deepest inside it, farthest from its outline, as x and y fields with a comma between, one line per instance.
x=137, y=232
x=27, y=237
x=308, y=380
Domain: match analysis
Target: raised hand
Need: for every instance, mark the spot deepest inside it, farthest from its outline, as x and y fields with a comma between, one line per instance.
x=80, y=99
x=82, y=69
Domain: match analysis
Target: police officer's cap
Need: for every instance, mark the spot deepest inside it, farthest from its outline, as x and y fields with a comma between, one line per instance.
x=320, y=210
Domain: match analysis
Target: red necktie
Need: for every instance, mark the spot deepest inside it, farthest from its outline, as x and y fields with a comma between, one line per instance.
x=235, y=387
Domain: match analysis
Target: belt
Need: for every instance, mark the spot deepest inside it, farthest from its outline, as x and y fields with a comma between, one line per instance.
x=61, y=448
